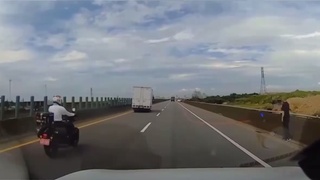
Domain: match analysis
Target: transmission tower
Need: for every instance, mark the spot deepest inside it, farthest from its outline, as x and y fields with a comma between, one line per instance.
x=263, y=89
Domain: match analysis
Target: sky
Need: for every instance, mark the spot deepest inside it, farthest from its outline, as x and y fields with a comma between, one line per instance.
x=173, y=46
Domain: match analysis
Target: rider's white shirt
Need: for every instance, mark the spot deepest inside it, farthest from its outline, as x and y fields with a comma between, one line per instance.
x=58, y=111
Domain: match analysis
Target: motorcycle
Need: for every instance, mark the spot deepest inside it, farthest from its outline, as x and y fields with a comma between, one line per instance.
x=54, y=136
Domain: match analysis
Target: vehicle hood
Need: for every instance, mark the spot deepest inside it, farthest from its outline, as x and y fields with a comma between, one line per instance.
x=185, y=174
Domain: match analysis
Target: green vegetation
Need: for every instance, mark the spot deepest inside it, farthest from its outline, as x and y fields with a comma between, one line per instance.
x=254, y=100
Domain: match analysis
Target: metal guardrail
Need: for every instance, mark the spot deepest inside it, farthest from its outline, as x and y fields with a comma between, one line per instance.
x=94, y=103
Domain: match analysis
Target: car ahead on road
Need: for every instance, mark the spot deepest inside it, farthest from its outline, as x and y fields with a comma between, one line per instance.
x=172, y=99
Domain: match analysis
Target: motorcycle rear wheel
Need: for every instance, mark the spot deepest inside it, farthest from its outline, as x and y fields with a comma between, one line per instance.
x=75, y=140
x=50, y=151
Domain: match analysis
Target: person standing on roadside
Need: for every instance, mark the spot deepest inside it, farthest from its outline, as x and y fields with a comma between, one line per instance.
x=286, y=120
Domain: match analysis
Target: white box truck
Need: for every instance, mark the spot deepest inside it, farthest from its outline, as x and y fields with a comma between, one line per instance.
x=142, y=98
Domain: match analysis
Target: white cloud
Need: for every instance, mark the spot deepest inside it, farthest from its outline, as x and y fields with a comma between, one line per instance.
x=183, y=90
x=311, y=35
x=71, y=56
x=53, y=40
x=189, y=90
x=51, y=79
x=221, y=50
x=219, y=65
x=157, y=40
x=162, y=44
x=11, y=56
x=184, y=76
x=184, y=35
x=121, y=60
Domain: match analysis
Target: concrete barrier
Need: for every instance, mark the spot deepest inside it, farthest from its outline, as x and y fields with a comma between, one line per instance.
x=305, y=130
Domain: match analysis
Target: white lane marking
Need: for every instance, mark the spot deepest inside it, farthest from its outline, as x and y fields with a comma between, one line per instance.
x=165, y=106
x=145, y=128
x=229, y=139
x=158, y=114
x=162, y=109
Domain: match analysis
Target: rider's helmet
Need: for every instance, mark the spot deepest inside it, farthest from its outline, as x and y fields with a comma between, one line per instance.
x=57, y=99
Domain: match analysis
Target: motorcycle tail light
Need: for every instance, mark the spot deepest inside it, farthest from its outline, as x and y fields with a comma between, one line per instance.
x=44, y=136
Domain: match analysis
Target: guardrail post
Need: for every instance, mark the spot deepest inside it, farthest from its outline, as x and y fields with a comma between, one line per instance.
x=2, y=107
x=101, y=102
x=31, y=106
x=80, y=102
x=17, y=106
x=64, y=101
x=105, y=102
x=91, y=103
x=72, y=102
x=45, y=104
x=87, y=103
x=97, y=103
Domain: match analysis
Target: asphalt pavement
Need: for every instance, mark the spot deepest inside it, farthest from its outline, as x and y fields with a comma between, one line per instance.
x=173, y=135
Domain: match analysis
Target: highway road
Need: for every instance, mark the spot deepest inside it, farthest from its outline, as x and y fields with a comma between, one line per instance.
x=173, y=135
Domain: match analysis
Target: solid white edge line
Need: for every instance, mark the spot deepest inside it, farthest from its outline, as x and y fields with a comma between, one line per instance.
x=158, y=114
x=229, y=139
x=145, y=128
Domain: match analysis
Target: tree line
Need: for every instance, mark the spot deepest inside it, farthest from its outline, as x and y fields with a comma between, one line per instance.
x=198, y=96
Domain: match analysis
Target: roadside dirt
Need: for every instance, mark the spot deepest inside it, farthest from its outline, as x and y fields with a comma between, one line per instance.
x=308, y=105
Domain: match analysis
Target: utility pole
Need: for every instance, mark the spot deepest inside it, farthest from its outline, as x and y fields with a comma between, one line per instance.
x=263, y=89
x=45, y=89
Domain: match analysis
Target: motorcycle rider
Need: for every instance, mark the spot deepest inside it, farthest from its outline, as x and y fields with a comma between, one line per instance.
x=58, y=111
